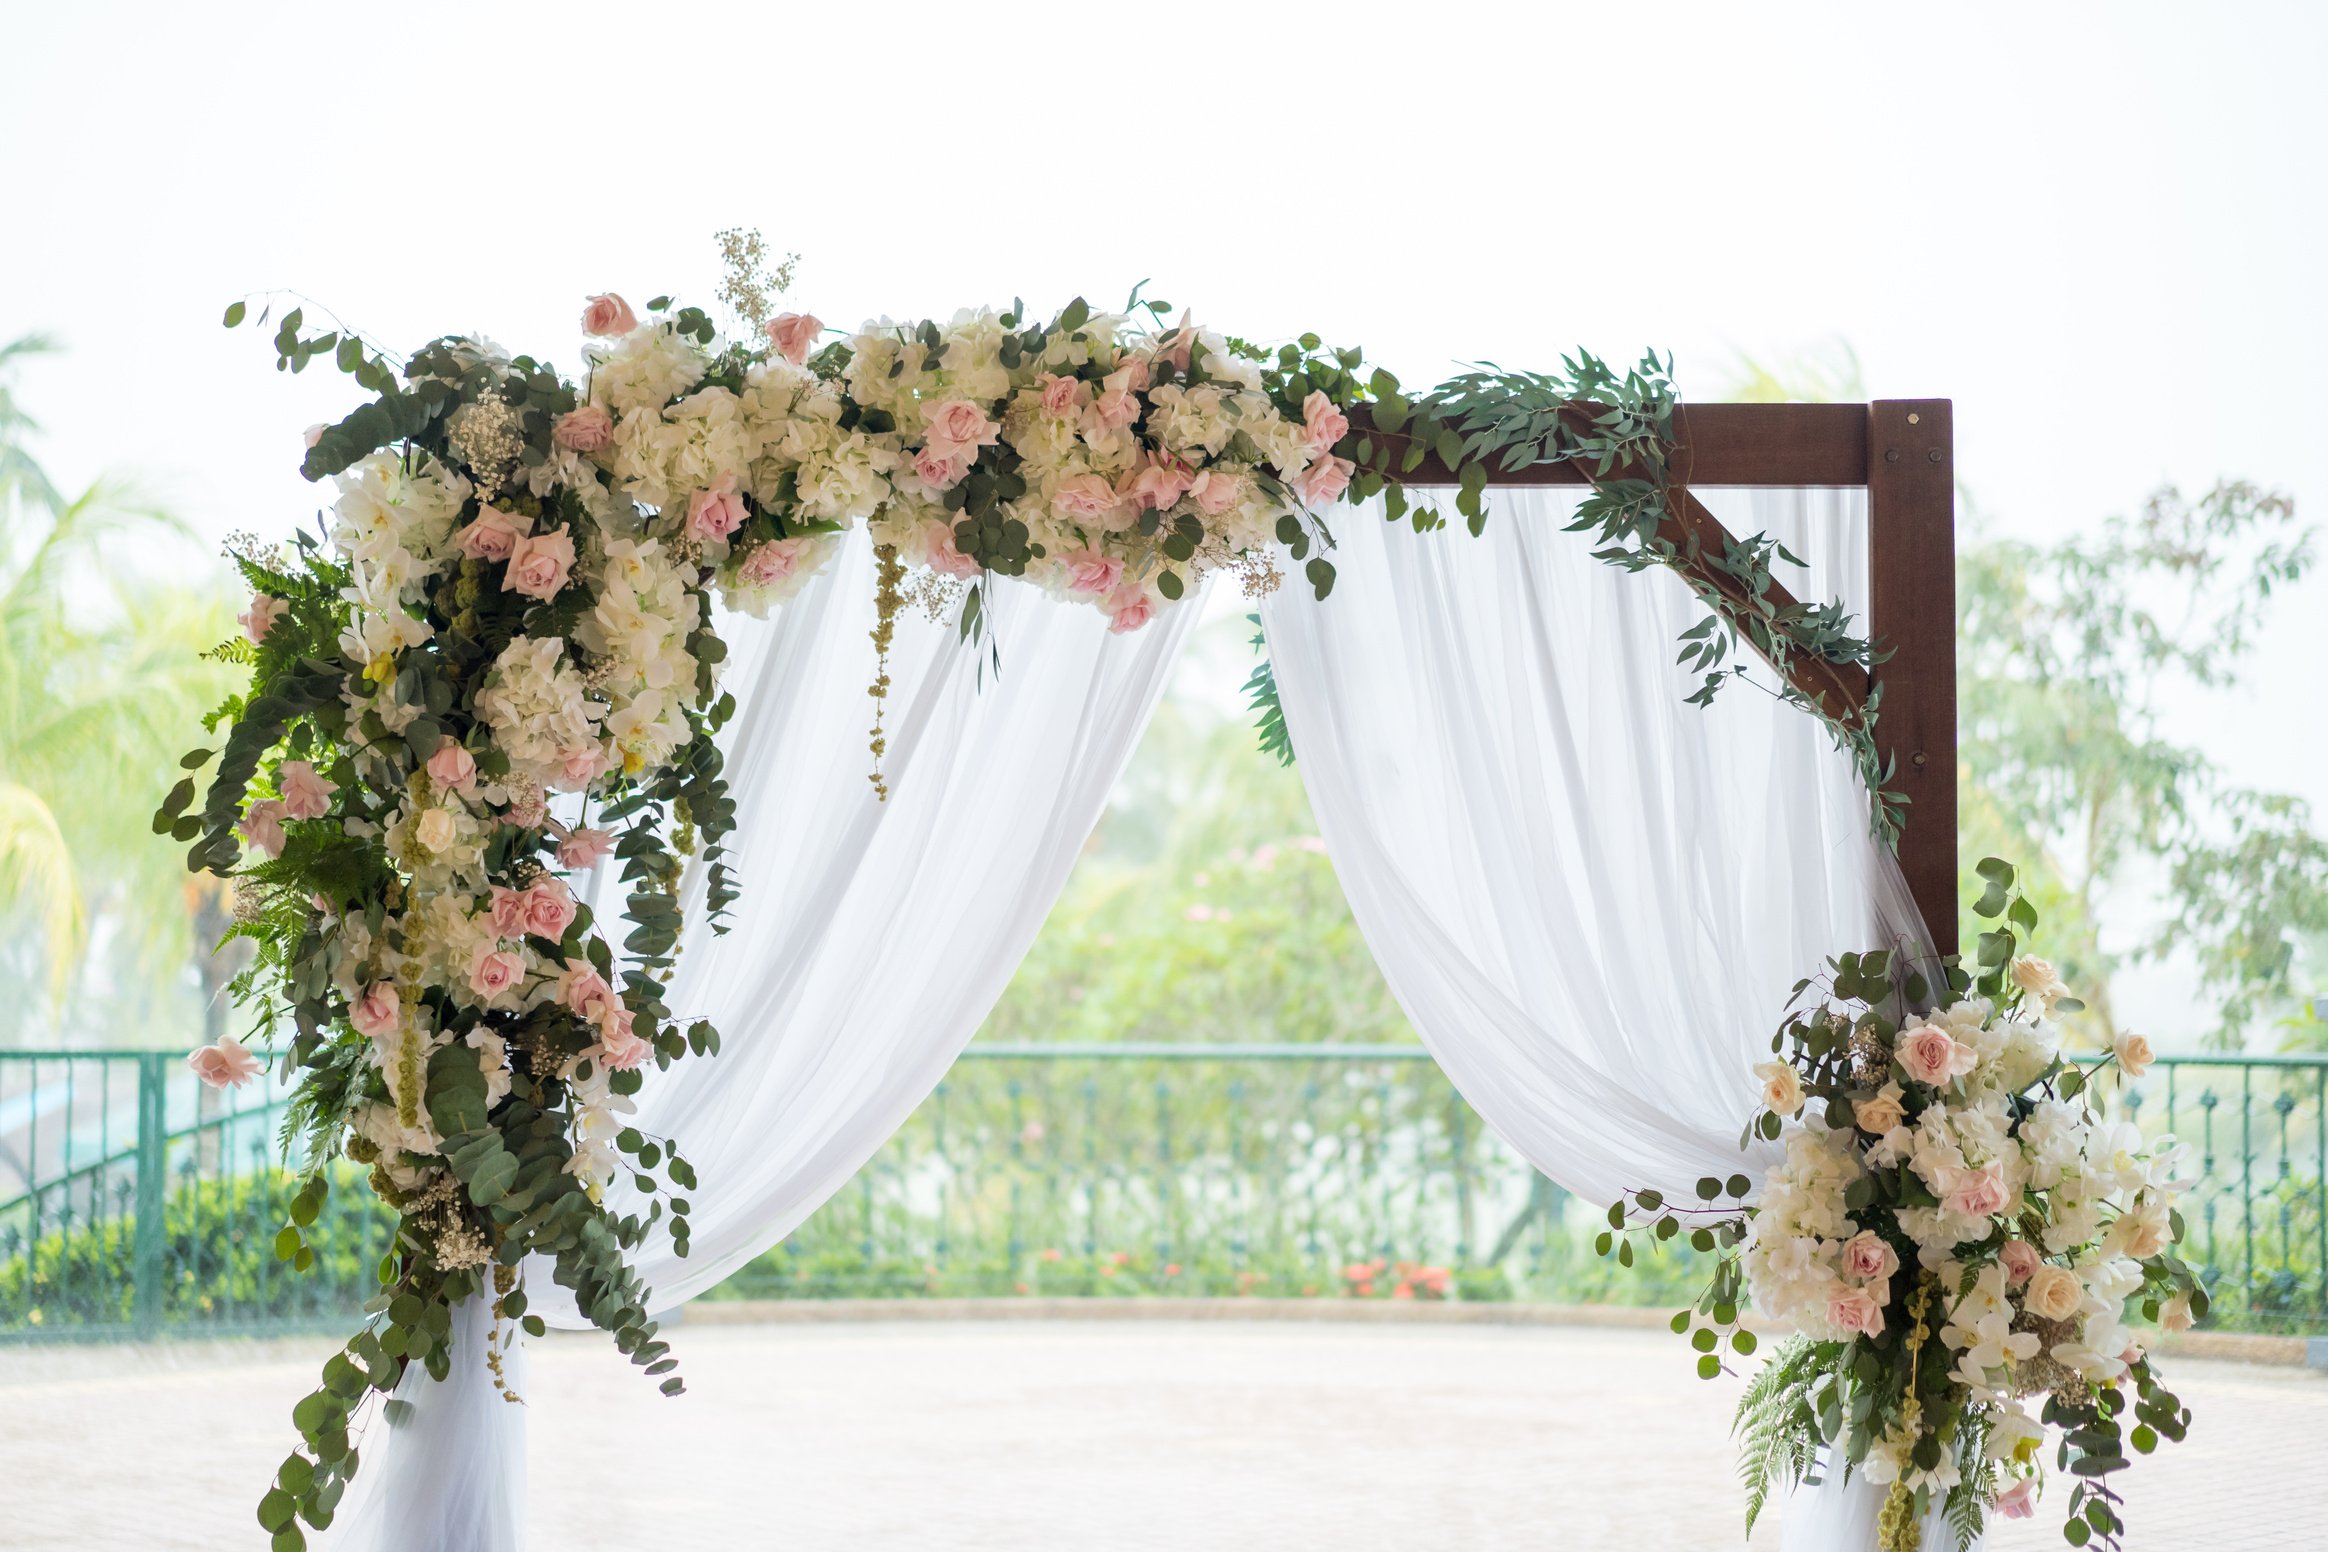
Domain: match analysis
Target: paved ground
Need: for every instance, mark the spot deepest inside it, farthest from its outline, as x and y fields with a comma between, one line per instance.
x=1065, y=1434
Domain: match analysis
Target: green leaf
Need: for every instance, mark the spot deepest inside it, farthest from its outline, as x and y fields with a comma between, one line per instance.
x=234, y=315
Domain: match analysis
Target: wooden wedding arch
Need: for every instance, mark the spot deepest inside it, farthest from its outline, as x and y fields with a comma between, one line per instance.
x=1902, y=453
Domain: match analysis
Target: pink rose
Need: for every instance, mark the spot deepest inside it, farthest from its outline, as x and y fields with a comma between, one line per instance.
x=494, y=971
x=1129, y=609
x=1157, y=484
x=1324, y=480
x=583, y=764
x=549, y=909
x=940, y=468
x=508, y=912
x=1869, y=1258
x=262, y=826
x=1930, y=1055
x=225, y=1064
x=378, y=1012
x=527, y=808
x=958, y=426
x=1216, y=491
x=2018, y=1501
x=945, y=557
x=1088, y=571
x=540, y=564
x=452, y=767
x=305, y=794
x=1979, y=1194
x=717, y=512
x=608, y=314
x=771, y=562
x=621, y=1049
x=585, y=430
x=2020, y=1260
x=1131, y=372
x=260, y=618
x=582, y=848
x=585, y=994
x=794, y=335
x=1855, y=1310
x=1115, y=408
x=1086, y=498
x=494, y=535
x=1179, y=346
x=1061, y=395
x=1325, y=424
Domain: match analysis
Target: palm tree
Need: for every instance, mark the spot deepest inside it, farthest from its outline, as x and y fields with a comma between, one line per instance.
x=101, y=688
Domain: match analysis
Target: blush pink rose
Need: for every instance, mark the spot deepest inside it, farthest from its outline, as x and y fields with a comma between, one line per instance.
x=1129, y=609
x=494, y=535
x=549, y=909
x=940, y=468
x=260, y=618
x=1869, y=1258
x=1324, y=480
x=1179, y=346
x=1980, y=1193
x=717, y=512
x=621, y=1047
x=2020, y=1260
x=305, y=794
x=452, y=767
x=540, y=564
x=581, y=848
x=527, y=809
x=225, y=1064
x=1324, y=424
x=771, y=562
x=507, y=912
x=1088, y=571
x=2018, y=1501
x=945, y=557
x=494, y=971
x=1929, y=1055
x=1061, y=395
x=608, y=314
x=1131, y=372
x=1216, y=491
x=585, y=994
x=582, y=765
x=262, y=826
x=1157, y=484
x=378, y=1011
x=1086, y=498
x=958, y=426
x=1855, y=1310
x=1115, y=408
x=585, y=430
x=794, y=335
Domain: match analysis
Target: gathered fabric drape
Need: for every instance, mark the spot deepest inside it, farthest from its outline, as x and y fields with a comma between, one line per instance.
x=870, y=942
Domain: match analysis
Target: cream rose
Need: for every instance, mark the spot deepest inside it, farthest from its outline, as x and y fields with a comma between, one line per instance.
x=2133, y=1053
x=1782, y=1087
x=2054, y=1293
x=1880, y=1111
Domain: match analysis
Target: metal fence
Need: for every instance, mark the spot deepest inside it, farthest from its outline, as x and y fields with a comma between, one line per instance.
x=134, y=1201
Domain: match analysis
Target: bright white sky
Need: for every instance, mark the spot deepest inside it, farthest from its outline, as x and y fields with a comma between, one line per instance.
x=2098, y=228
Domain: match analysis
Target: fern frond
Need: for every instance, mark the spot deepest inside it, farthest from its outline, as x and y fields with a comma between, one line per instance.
x=1776, y=1426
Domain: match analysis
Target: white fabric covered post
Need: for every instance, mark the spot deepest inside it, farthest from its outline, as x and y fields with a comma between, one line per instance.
x=870, y=942
x=1591, y=898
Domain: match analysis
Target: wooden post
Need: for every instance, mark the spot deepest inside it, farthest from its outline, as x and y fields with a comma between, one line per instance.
x=1911, y=511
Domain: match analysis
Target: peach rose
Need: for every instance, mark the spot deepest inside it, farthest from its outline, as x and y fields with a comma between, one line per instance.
x=494, y=535
x=549, y=909
x=494, y=971
x=717, y=512
x=1324, y=424
x=1931, y=1056
x=1088, y=571
x=260, y=618
x=262, y=826
x=608, y=315
x=957, y=425
x=2133, y=1053
x=1128, y=609
x=1980, y=1193
x=1855, y=1310
x=225, y=1064
x=1061, y=395
x=2054, y=1293
x=585, y=430
x=1869, y=1257
x=377, y=1011
x=2175, y=1314
x=305, y=794
x=2017, y=1501
x=2020, y=1260
x=1324, y=480
x=540, y=564
x=1880, y=1111
x=582, y=848
x=794, y=335
x=1086, y=497
x=452, y=767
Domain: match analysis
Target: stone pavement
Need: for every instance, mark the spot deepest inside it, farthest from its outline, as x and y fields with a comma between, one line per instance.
x=1147, y=1434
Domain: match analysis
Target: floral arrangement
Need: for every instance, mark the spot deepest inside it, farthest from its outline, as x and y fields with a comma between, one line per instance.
x=1955, y=1233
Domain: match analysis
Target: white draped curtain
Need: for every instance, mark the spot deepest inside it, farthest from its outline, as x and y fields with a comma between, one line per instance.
x=1590, y=898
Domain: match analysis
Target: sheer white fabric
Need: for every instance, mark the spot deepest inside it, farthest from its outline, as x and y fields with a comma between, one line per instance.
x=871, y=940
x=1591, y=898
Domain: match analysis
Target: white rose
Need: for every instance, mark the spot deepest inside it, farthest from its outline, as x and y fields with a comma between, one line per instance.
x=435, y=829
x=2133, y=1053
x=1782, y=1087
